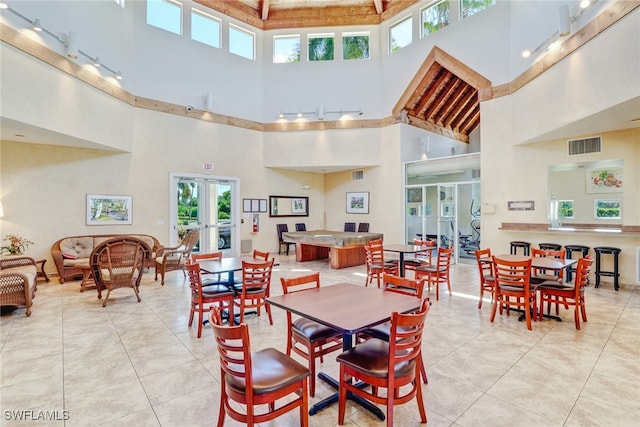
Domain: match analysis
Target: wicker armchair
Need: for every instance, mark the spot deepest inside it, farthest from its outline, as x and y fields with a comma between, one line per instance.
x=17, y=282
x=170, y=259
x=118, y=263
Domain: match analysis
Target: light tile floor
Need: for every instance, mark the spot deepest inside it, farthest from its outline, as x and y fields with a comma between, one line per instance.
x=139, y=364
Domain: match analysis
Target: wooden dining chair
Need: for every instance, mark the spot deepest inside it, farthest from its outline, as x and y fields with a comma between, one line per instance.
x=306, y=338
x=350, y=226
x=539, y=275
x=260, y=255
x=363, y=227
x=421, y=258
x=391, y=364
x=256, y=379
x=254, y=289
x=399, y=285
x=211, y=279
x=485, y=270
x=375, y=262
x=438, y=273
x=301, y=226
x=202, y=297
x=556, y=293
x=513, y=281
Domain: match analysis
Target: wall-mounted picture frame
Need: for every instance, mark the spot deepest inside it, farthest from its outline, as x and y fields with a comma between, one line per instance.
x=358, y=203
x=298, y=206
x=414, y=195
x=105, y=209
x=254, y=205
x=521, y=205
x=604, y=180
x=446, y=210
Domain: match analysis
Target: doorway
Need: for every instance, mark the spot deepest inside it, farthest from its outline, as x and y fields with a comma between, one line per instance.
x=206, y=203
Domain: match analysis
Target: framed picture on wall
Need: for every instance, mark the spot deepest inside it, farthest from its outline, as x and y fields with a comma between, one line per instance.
x=604, y=180
x=108, y=210
x=358, y=203
x=414, y=195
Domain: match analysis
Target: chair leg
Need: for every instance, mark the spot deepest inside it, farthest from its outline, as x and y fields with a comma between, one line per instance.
x=576, y=316
x=481, y=295
x=200, y=316
x=423, y=371
x=312, y=369
x=494, y=308
x=304, y=404
x=390, y=396
x=420, y=401
x=342, y=396
x=223, y=400
x=267, y=308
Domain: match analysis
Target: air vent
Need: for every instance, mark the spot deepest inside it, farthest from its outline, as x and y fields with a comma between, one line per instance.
x=586, y=145
x=475, y=173
x=357, y=175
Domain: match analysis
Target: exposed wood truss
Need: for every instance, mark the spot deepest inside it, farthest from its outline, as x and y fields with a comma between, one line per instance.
x=444, y=97
x=277, y=14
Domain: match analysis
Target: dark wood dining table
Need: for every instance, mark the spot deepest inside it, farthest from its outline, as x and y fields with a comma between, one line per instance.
x=227, y=266
x=350, y=309
x=406, y=249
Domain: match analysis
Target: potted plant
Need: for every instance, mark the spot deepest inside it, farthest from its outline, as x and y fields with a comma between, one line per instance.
x=16, y=245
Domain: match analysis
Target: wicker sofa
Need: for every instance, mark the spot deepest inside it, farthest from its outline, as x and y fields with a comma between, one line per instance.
x=18, y=282
x=69, y=252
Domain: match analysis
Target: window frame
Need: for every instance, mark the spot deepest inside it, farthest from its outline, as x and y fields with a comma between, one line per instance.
x=239, y=29
x=462, y=10
x=321, y=36
x=282, y=37
x=366, y=34
x=573, y=209
x=596, y=202
x=213, y=19
x=430, y=6
x=397, y=23
x=181, y=16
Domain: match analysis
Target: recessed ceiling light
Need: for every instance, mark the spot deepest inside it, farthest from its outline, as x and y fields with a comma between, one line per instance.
x=19, y=135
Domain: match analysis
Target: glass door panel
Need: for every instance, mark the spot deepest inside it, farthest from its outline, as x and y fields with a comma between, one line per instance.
x=206, y=204
x=447, y=215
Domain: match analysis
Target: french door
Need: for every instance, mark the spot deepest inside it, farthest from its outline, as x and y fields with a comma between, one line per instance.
x=206, y=203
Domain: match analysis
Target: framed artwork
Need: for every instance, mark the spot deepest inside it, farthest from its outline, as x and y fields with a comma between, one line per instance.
x=254, y=205
x=298, y=206
x=446, y=209
x=108, y=210
x=358, y=203
x=414, y=195
x=604, y=180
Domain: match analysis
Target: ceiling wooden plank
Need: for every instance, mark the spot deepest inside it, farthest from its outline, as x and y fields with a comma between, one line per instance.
x=459, y=69
x=432, y=127
x=322, y=17
x=235, y=9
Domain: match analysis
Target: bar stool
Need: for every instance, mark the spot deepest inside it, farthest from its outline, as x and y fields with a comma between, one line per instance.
x=549, y=246
x=584, y=251
x=520, y=244
x=603, y=250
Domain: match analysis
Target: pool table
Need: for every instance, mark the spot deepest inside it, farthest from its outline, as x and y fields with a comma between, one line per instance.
x=343, y=248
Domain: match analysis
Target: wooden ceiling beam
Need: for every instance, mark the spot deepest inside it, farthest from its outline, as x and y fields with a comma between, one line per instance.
x=265, y=10
x=378, y=5
x=432, y=127
x=306, y=17
x=235, y=9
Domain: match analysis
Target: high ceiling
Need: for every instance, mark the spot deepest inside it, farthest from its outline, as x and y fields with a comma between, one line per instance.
x=277, y=14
